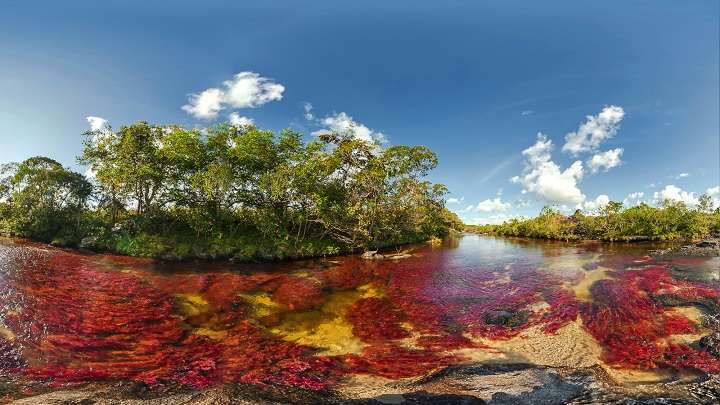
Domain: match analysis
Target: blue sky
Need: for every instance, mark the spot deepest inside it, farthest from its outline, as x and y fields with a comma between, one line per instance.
x=624, y=93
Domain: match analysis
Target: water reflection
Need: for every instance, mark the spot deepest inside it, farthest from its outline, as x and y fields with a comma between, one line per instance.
x=68, y=318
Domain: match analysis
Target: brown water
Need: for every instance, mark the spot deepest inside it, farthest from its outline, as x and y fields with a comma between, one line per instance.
x=346, y=325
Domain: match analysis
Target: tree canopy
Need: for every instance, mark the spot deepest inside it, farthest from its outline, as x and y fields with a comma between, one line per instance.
x=228, y=183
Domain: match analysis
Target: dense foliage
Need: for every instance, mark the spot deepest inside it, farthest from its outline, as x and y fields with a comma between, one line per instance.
x=672, y=220
x=232, y=190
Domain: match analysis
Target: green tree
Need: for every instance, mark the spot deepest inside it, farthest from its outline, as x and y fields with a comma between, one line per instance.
x=43, y=199
x=129, y=164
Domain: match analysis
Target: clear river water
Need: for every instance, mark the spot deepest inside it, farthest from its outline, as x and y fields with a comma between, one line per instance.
x=356, y=328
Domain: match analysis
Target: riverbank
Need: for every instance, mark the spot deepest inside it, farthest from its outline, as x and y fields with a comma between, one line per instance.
x=673, y=221
x=466, y=385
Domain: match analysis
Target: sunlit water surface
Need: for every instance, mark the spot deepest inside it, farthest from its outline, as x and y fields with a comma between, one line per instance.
x=68, y=318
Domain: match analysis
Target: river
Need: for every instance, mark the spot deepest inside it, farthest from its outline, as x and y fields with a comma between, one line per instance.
x=599, y=320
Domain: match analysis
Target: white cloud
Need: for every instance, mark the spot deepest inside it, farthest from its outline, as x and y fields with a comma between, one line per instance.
x=713, y=191
x=608, y=160
x=249, y=90
x=205, y=105
x=99, y=127
x=671, y=192
x=633, y=196
x=565, y=210
x=244, y=90
x=236, y=119
x=308, y=114
x=96, y=123
x=493, y=219
x=545, y=178
x=342, y=122
x=601, y=201
x=527, y=112
x=521, y=203
x=492, y=206
x=596, y=130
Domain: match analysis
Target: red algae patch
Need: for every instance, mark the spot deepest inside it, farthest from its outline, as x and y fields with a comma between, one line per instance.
x=633, y=328
x=67, y=319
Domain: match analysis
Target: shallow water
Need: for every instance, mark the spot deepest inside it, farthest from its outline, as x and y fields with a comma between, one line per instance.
x=344, y=324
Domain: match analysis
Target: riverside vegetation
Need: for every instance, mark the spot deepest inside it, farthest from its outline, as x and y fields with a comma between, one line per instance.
x=672, y=220
x=230, y=191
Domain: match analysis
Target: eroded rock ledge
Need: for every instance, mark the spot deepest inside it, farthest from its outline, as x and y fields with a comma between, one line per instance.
x=706, y=248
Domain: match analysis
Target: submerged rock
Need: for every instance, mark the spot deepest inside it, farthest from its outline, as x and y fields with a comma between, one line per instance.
x=706, y=248
x=372, y=255
x=711, y=343
x=674, y=300
x=504, y=318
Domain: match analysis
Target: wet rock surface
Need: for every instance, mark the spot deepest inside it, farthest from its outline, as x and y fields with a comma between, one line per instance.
x=487, y=384
x=711, y=343
x=706, y=248
x=674, y=300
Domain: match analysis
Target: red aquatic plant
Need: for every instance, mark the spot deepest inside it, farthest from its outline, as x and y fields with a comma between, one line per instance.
x=81, y=323
x=10, y=356
x=634, y=329
x=396, y=362
x=376, y=320
x=180, y=284
x=298, y=293
x=563, y=309
x=346, y=275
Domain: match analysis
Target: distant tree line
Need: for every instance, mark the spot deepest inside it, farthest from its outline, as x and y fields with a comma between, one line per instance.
x=671, y=220
x=230, y=190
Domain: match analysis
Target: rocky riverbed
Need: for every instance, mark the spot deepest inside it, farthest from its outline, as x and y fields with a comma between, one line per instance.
x=705, y=248
x=572, y=339
x=481, y=384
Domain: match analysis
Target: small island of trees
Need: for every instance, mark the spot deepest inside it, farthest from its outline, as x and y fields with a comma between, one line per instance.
x=229, y=191
x=672, y=220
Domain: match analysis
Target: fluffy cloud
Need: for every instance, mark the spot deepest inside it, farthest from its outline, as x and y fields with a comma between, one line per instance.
x=308, y=111
x=342, y=122
x=545, y=178
x=608, y=160
x=596, y=130
x=205, y=105
x=236, y=119
x=244, y=90
x=249, y=90
x=633, y=196
x=96, y=123
x=99, y=127
x=493, y=219
x=671, y=192
x=520, y=203
x=492, y=206
x=601, y=201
